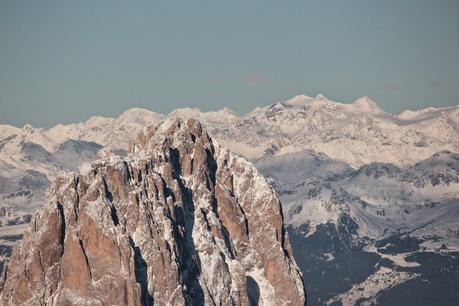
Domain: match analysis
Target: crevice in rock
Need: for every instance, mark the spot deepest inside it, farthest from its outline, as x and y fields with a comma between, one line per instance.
x=60, y=209
x=167, y=191
x=85, y=257
x=43, y=274
x=128, y=172
x=108, y=194
x=227, y=240
x=174, y=155
x=76, y=206
x=190, y=264
x=114, y=215
x=246, y=221
x=206, y=221
x=139, y=176
x=253, y=291
x=214, y=206
x=141, y=274
x=40, y=261
x=211, y=166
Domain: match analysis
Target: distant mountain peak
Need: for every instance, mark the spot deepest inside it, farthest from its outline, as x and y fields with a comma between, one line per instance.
x=299, y=100
x=366, y=104
x=28, y=128
x=227, y=110
x=185, y=112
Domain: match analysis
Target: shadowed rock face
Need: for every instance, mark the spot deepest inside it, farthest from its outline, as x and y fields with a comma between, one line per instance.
x=179, y=221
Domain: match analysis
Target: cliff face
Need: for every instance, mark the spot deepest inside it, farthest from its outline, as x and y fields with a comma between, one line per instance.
x=179, y=221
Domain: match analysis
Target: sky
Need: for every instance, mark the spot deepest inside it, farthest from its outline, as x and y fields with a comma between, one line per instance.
x=64, y=61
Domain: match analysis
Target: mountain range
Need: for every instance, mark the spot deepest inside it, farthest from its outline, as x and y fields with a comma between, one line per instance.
x=371, y=199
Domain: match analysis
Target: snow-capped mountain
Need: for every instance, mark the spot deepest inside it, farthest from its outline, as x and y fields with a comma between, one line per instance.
x=357, y=133
x=106, y=131
x=381, y=198
x=313, y=182
x=369, y=197
x=394, y=220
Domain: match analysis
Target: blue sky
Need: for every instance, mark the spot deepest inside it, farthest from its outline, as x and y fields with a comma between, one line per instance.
x=63, y=61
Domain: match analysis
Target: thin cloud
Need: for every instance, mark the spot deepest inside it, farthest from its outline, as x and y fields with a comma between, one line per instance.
x=392, y=87
x=257, y=80
x=435, y=84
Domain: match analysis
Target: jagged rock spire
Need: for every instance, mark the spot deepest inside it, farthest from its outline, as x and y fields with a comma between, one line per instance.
x=179, y=221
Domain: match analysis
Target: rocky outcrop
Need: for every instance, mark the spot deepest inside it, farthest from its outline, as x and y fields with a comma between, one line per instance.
x=180, y=221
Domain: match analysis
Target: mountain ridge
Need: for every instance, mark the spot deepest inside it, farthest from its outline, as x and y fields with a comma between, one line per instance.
x=308, y=123
x=298, y=99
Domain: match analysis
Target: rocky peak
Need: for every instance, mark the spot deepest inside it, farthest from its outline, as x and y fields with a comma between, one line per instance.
x=299, y=100
x=365, y=104
x=442, y=118
x=180, y=221
x=28, y=128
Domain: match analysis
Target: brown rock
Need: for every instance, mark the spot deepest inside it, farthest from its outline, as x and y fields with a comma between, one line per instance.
x=179, y=221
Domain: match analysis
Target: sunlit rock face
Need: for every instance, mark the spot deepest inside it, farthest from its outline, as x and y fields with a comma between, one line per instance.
x=179, y=221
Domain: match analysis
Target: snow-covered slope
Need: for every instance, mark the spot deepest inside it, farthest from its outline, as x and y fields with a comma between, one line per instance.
x=357, y=133
x=381, y=198
x=106, y=131
x=395, y=222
